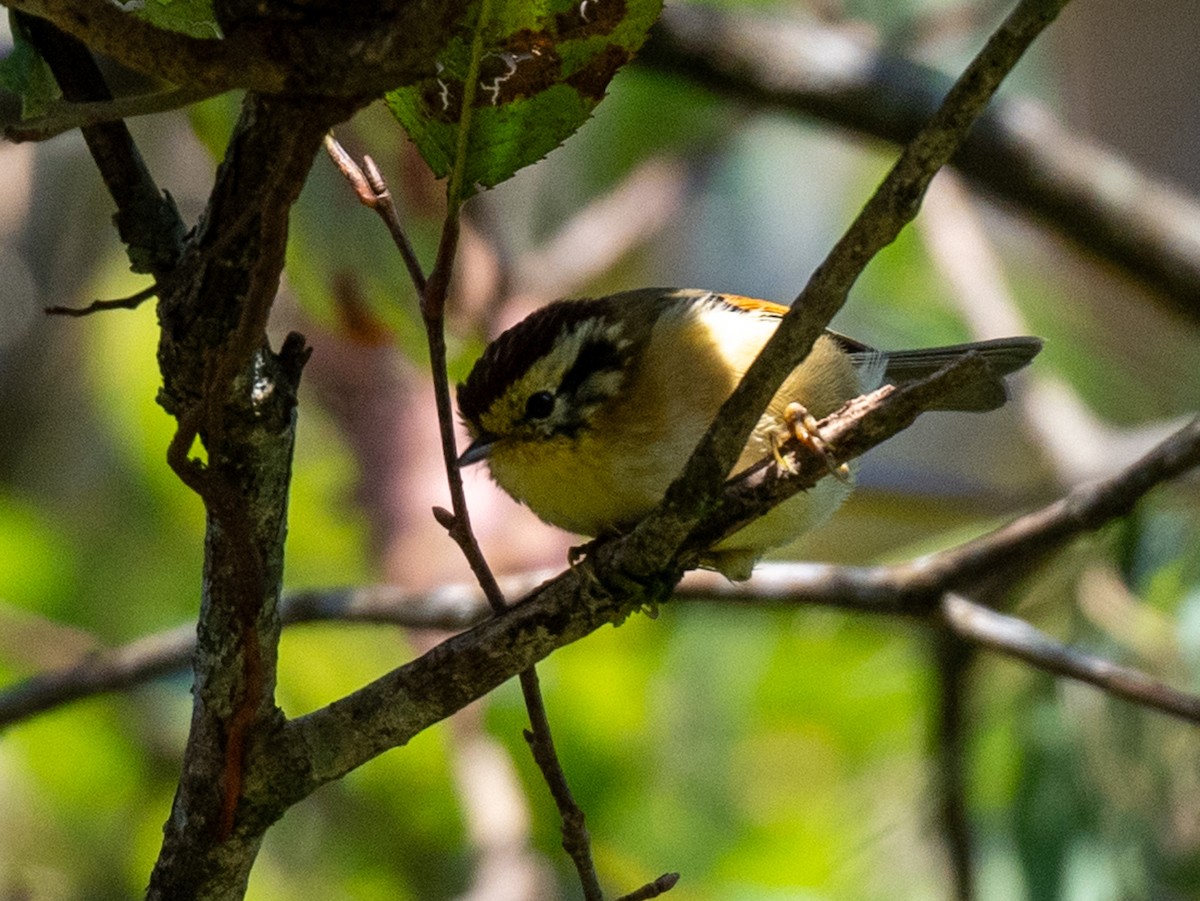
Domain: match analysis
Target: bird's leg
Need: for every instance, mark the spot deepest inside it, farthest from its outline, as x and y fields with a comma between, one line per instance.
x=803, y=427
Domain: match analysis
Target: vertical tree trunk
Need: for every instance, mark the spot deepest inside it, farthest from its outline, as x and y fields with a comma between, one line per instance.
x=228, y=389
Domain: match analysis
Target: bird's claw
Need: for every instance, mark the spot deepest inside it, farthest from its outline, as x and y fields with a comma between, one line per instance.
x=803, y=427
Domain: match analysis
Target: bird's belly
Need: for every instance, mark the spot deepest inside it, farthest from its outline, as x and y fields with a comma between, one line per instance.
x=736, y=555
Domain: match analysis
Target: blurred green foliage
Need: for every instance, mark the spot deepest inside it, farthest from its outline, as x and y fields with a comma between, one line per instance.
x=764, y=754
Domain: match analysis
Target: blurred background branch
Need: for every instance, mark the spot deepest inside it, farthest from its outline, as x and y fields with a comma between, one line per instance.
x=1018, y=151
x=909, y=589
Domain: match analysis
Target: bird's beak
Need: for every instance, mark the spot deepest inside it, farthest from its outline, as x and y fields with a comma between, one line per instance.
x=479, y=449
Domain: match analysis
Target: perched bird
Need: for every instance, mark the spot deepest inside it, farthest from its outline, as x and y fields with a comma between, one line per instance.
x=587, y=410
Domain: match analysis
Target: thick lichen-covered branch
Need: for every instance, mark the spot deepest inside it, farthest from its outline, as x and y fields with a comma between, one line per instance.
x=235, y=395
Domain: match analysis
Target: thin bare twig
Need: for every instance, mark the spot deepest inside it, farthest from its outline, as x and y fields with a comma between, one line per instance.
x=1017, y=638
x=66, y=117
x=372, y=190
x=662, y=884
x=576, y=841
x=374, y=194
x=96, y=306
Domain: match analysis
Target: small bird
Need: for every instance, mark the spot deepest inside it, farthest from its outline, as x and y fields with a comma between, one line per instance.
x=587, y=410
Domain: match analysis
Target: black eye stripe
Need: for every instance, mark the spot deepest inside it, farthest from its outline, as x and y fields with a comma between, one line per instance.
x=597, y=355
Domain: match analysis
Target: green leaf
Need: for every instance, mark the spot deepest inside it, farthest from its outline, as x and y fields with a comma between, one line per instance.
x=542, y=68
x=192, y=17
x=25, y=73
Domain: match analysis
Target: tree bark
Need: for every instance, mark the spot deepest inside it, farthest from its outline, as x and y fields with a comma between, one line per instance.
x=230, y=390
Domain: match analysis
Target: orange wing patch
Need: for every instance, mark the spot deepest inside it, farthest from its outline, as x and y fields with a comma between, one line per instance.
x=754, y=304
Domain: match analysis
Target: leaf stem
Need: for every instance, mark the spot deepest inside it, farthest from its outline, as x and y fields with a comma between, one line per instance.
x=455, y=194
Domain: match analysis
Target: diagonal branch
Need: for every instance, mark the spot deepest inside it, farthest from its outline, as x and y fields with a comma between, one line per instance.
x=889, y=209
x=850, y=435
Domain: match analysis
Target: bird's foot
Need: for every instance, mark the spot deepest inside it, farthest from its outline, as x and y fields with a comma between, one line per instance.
x=803, y=427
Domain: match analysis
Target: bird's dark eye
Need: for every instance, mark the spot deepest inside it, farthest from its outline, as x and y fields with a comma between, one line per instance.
x=539, y=405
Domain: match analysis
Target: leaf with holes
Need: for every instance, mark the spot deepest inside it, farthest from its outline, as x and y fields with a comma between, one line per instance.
x=542, y=67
